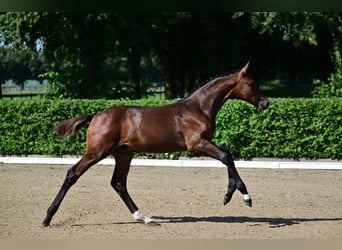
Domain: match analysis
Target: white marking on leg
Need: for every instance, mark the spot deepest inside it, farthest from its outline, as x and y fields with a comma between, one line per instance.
x=246, y=197
x=139, y=216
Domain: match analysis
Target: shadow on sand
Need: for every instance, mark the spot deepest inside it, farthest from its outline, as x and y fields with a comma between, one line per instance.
x=272, y=222
x=253, y=221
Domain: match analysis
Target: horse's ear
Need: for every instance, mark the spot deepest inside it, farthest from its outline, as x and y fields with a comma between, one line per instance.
x=243, y=71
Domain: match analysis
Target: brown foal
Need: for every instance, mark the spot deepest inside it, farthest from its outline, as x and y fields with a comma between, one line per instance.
x=187, y=125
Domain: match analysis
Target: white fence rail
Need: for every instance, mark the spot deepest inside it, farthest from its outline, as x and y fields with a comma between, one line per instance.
x=334, y=165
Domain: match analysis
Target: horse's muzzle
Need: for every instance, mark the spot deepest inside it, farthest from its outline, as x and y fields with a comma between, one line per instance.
x=263, y=104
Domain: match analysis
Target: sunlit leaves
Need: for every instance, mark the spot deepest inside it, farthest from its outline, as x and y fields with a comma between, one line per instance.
x=289, y=128
x=294, y=26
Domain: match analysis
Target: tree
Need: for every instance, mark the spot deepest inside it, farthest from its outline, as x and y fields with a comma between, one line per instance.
x=132, y=30
x=78, y=51
x=18, y=69
x=190, y=47
x=2, y=72
x=305, y=27
x=106, y=55
x=93, y=54
x=20, y=65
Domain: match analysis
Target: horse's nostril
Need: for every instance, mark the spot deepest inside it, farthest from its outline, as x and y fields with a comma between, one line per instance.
x=267, y=104
x=263, y=104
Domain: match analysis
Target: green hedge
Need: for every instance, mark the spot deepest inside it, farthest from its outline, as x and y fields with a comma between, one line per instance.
x=290, y=128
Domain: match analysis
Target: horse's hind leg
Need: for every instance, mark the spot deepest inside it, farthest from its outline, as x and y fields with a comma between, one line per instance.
x=123, y=157
x=73, y=174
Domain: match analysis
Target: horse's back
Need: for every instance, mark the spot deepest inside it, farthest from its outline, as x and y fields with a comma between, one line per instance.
x=145, y=129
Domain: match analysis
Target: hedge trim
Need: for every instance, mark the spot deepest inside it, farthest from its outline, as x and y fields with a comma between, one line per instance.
x=290, y=128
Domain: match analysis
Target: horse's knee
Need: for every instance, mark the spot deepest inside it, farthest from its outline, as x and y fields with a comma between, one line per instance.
x=70, y=178
x=119, y=187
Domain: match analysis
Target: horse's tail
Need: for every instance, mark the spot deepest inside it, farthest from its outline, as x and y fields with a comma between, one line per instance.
x=71, y=126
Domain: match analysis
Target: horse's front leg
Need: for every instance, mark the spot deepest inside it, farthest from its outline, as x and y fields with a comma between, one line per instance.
x=234, y=180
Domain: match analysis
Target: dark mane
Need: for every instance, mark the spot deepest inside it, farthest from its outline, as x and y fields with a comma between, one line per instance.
x=208, y=81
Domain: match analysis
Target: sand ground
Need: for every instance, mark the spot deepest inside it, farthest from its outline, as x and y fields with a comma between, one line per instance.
x=186, y=202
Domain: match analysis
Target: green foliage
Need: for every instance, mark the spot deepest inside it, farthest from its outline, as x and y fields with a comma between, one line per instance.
x=103, y=55
x=333, y=88
x=19, y=65
x=290, y=128
x=294, y=26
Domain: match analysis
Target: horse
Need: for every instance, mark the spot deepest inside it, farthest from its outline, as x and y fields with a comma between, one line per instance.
x=186, y=125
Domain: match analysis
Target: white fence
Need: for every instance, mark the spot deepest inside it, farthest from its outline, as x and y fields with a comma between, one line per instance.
x=335, y=165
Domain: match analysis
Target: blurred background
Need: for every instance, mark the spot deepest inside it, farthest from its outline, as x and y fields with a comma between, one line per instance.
x=136, y=55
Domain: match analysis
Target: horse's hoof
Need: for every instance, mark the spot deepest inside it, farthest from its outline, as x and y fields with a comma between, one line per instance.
x=227, y=199
x=140, y=217
x=46, y=223
x=248, y=202
x=149, y=222
x=247, y=199
x=152, y=223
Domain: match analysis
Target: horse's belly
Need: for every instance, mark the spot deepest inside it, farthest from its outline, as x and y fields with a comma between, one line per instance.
x=157, y=148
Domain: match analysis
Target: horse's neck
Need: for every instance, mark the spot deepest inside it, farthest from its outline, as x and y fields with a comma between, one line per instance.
x=214, y=94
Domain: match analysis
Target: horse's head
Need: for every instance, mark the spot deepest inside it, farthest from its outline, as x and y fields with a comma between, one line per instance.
x=246, y=89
